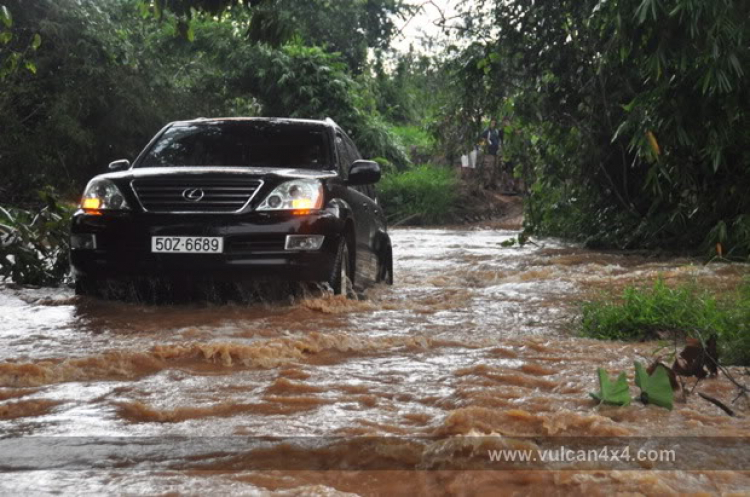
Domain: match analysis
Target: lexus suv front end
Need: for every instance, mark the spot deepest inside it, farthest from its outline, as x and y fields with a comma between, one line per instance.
x=235, y=200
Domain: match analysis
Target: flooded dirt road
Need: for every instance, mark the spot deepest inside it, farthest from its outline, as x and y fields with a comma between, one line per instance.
x=472, y=340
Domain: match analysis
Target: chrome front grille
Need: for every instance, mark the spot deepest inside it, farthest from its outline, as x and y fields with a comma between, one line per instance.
x=195, y=194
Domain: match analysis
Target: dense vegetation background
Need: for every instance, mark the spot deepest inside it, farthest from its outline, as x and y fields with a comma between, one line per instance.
x=636, y=113
x=627, y=119
x=85, y=82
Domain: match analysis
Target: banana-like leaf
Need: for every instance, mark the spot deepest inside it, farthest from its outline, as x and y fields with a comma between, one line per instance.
x=655, y=389
x=616, y=393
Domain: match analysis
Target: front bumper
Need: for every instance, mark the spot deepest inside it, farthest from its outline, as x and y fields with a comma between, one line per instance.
x=254, y=246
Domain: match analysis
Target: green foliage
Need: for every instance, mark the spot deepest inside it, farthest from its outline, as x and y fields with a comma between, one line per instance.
x=466, y=96
x=348, y=28
x=5, y=17
x=656, y=388
x=633, y=115
x=271, y=25
x=643, y=313
x=616, y=393
x=408, y=90
x=34, y=243
x=417, y=140
x=187, y=7
x=428, y=193
x=16, y=52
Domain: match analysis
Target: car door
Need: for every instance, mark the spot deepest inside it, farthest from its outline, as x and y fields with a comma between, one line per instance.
x=373, y=219
x=361, y=208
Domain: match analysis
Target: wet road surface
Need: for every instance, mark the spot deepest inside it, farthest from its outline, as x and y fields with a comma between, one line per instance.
x=472, y=340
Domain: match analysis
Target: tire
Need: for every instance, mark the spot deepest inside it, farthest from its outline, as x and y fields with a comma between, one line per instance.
x=86, y=286
x=341, y=276
x=385, y=272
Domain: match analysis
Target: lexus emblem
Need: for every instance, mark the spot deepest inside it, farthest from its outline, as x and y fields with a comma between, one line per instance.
x=193, y=194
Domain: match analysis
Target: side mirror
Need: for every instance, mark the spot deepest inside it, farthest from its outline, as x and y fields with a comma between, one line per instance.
x=119, y=165
x=363, y=172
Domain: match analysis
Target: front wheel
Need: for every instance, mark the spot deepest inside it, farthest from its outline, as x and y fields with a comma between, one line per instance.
x=341, y=276
x=385, y=271
x=86, y=286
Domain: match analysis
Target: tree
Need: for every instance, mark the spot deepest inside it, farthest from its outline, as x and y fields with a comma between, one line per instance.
x=639, y=111
x=349, y=27
x=107, y=79
x=98, y=93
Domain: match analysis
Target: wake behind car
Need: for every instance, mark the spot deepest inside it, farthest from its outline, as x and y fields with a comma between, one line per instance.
x=236, y=200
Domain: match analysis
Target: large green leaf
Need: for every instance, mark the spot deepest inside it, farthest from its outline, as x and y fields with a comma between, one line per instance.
x=616, y=393
x=655, y=389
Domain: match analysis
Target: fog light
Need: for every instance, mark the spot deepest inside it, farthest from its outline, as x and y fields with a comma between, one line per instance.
x=304, y=242
x=83, y=242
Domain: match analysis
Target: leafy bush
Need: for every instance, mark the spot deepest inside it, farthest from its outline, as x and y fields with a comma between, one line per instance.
x=34, y=244
x=415, y=139
x=426, y=192
x=643, y=313
x=374, y=139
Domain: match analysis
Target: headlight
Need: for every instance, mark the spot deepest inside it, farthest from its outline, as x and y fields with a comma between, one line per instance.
x=102, y=194
x=296, y=195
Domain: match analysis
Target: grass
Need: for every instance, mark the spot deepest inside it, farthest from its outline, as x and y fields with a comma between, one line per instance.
x=426, y=192
x=640, y=313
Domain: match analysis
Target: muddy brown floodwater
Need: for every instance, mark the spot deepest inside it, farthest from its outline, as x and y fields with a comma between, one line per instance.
x=402, y=393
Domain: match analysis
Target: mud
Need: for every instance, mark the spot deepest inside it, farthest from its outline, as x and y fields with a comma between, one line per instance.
x=473, y=348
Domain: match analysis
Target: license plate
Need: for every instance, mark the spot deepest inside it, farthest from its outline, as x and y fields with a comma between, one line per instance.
x=187, y=244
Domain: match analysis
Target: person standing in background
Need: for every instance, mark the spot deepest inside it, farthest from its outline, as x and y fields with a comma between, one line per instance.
x=491, y=138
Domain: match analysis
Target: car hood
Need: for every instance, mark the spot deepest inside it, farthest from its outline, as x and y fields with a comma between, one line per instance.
x=257, y=172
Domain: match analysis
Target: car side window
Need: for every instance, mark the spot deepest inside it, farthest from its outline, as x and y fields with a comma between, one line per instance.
x=348, y=154
x=352, y=149
x=368, y=190
x=350, y=158
x=343, y=156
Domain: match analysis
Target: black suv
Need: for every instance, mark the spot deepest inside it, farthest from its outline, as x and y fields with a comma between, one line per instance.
x=236, y=199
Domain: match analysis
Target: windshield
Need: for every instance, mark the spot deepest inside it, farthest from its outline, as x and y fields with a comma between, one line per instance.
x=249, y=144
